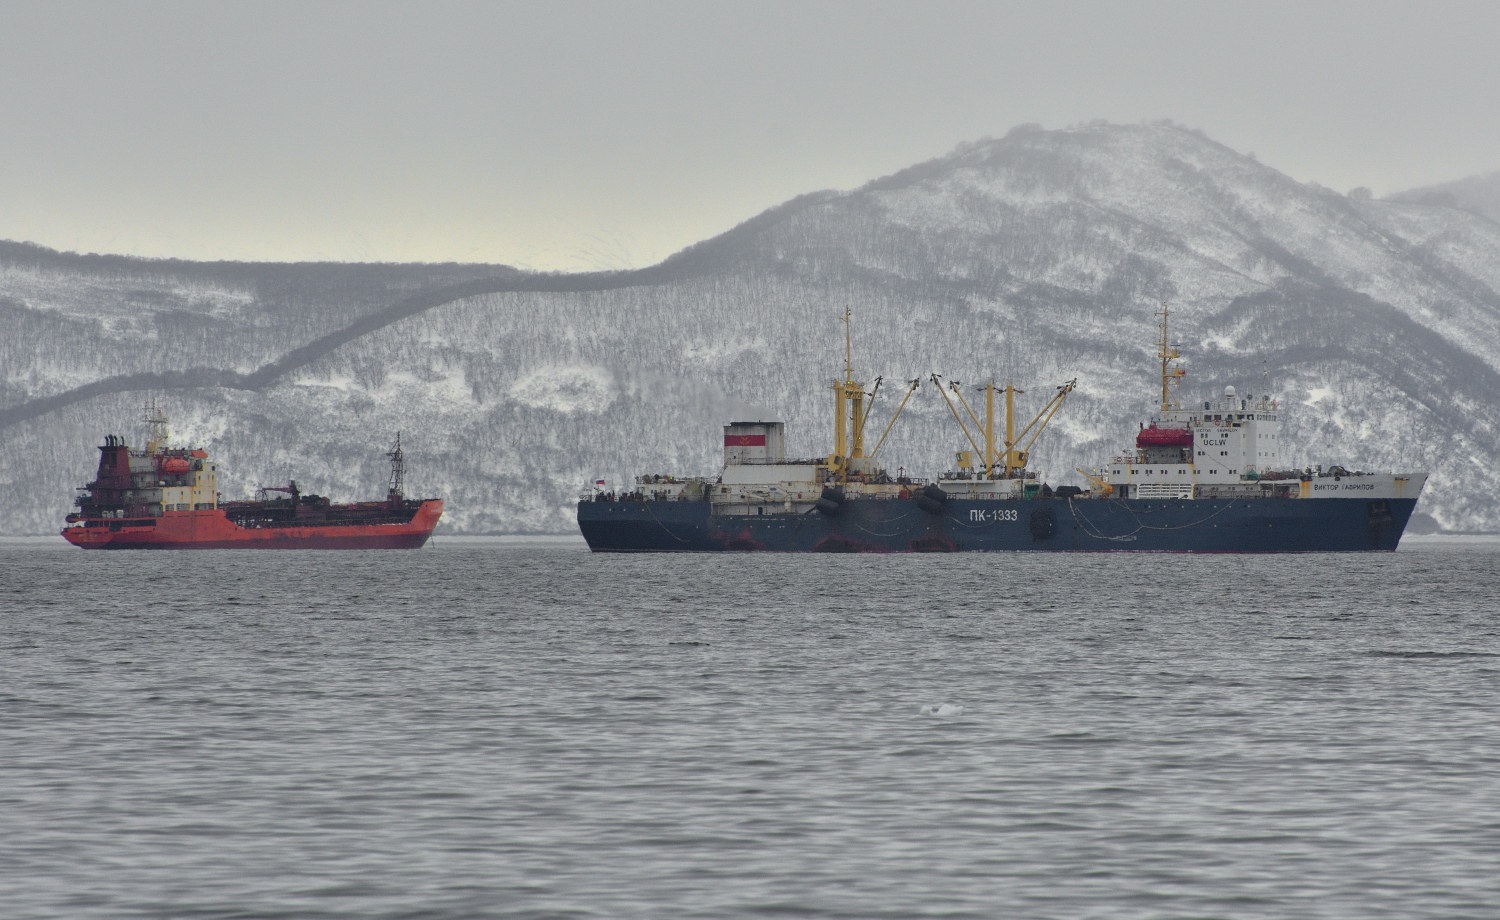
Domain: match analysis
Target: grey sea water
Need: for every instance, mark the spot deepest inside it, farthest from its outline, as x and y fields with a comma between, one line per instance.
x=517, y=730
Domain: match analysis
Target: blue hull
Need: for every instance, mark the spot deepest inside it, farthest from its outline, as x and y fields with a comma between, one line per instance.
x=1048, y=525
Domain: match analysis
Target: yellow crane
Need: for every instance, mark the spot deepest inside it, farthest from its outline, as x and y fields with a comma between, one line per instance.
x=1011, y=462
x=1097, y=481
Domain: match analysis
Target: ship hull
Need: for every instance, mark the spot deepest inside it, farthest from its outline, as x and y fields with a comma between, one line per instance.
x=212, y=529
x=1030, y=525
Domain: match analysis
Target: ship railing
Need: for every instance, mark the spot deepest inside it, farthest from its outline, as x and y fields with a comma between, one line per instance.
x=639, y=495
x=1280, y=489
x=1163, y=490
x=892, y=491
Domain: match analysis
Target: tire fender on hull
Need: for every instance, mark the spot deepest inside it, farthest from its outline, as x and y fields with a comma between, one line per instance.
x=932, y=499
x=831, y=501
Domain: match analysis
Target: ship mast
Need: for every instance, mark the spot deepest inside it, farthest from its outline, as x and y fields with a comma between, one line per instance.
x=157, y=433
x=1009, y=460
x=848, y=411
x=397, y=491
x=1015, y=463
x=993, y=458
x=989, y=429
x=1171, y=372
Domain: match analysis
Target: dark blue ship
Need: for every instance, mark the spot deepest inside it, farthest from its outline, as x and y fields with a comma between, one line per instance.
x=1204, y=479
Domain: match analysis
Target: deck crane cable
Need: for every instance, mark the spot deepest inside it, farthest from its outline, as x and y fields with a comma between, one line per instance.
x=1041, y=420
x=859, y=428
x=956, y=417
x=912, y=388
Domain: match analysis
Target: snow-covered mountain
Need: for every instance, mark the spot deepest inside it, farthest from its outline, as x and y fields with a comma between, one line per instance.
x=1034, y=258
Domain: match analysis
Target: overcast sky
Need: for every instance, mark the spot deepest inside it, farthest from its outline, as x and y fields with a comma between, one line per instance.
x=576, y=135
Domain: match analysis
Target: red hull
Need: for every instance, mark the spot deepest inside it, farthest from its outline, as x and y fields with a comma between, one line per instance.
x=211, y=529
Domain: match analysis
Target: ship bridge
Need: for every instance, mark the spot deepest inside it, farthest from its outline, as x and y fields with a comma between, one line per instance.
x=1210, y=447
x=1217, y=442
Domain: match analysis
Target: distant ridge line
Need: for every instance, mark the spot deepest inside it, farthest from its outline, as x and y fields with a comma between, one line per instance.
x=695, y=259
x=205, y=377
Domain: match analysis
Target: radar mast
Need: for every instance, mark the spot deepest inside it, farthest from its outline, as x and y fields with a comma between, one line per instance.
x=1171, y=367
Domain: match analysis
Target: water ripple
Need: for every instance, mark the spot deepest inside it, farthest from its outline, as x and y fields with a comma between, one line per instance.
x=531, y=731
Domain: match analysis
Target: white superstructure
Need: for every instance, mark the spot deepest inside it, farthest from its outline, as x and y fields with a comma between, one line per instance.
x=1229, y=448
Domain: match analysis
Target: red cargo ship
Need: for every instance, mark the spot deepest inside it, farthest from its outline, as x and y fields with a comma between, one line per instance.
x=167, y=498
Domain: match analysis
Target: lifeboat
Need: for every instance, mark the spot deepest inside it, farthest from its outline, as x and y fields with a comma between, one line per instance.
x=174, y=465
x=1164, y=437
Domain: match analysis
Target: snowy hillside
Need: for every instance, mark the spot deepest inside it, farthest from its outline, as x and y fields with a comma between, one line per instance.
x=1034, y=259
